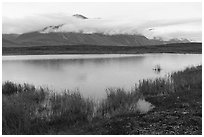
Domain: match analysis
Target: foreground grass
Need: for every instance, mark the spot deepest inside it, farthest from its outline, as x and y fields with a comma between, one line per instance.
x=176, y=108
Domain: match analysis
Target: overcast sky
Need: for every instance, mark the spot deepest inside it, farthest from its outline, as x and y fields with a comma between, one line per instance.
x=166, y=20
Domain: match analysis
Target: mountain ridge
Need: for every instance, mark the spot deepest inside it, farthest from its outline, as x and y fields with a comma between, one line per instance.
x=53, y=35
x=70, y=38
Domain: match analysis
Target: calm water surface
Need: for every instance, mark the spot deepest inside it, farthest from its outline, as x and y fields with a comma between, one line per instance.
x=92, y=74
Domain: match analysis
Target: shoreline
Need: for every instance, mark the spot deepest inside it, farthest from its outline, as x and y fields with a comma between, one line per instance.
x=182, y=48
x=83, y=56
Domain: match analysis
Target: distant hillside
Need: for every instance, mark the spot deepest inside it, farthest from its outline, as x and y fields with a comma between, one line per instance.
x=9, y=43
x=10, y=36
x=69, y=38
x=55, y=35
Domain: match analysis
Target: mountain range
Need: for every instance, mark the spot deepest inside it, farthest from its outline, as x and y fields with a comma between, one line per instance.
x=52, y=36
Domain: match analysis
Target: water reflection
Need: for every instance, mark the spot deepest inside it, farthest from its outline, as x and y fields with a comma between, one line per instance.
x=93, y=75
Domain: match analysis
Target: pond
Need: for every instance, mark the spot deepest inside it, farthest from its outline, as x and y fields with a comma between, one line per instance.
x=92, y=74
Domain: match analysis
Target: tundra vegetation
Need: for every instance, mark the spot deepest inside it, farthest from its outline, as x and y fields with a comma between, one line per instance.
x=195, y=48
x=169, y=105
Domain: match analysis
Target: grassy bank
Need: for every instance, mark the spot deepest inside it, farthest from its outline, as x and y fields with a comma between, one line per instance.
x=94, y=49
x=171, y=105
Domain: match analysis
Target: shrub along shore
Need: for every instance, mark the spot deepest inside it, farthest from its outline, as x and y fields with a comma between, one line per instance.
x=170, y=105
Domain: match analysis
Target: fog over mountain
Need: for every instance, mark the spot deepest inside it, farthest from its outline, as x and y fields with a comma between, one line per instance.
x=82, y=24
x=55, y=35
x=129, y=24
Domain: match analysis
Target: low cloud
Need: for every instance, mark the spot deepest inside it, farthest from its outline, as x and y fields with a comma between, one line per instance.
x=150, y=28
